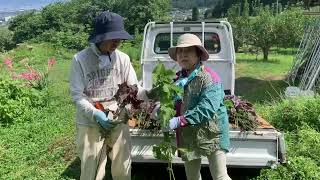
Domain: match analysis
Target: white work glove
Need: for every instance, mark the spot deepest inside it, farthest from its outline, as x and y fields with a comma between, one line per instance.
x=155, y=112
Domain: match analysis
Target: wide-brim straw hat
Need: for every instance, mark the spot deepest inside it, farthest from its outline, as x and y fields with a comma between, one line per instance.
x=108, y=26
x=187, y=40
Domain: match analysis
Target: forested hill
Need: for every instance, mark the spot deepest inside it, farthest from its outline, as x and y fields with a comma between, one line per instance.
x=225, y=3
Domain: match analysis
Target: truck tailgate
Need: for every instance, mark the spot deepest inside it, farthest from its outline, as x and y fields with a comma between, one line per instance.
x=248, y=149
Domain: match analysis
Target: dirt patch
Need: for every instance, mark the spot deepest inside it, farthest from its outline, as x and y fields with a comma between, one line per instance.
x=263, y=124
x=66, y=144
x=244, y=84
x=69, y=153
x=275, y=78
x=259, y=90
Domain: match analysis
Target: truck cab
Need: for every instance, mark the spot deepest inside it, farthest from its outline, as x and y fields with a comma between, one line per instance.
x=261, y=148
x=216, y=38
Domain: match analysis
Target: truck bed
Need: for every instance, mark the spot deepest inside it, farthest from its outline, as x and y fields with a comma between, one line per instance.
x=260, y=148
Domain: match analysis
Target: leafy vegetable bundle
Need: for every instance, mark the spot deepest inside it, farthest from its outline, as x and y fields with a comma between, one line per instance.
x=241, y=113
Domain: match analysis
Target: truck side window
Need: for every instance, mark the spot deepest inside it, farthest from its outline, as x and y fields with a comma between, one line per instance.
x=211, y=42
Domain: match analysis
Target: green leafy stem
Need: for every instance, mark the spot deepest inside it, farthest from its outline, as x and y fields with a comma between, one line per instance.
x=165, y=90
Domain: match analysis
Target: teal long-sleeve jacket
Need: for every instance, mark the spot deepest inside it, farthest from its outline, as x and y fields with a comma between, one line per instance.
x=203, y=108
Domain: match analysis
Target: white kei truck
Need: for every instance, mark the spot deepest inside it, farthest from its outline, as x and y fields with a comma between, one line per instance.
x=263, y=147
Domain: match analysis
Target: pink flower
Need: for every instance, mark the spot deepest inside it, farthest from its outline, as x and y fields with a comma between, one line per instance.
x=51, y=63
x=29, y=76
x=32, y=74
x=8, y=63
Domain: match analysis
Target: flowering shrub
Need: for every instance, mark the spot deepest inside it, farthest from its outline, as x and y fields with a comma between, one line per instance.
x=34, y=78
x=18, y=101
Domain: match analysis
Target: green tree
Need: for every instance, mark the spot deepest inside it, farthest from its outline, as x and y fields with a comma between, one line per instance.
x=290, y=27
x=143, y=11
x=69, y=23
x=5, y=39
x=27, y=26
x=234, y=19
x=56, y=16
x=217, y=10
x=207, y=13
x=245, y=11
x=240, y=23
x=226, y=4
x=195, y=14
x=262, y=32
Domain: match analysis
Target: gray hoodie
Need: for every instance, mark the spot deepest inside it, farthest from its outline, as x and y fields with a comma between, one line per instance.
x=93, y=79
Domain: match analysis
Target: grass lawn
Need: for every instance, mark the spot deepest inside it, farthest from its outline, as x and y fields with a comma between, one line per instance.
x=260, y=81
x=43, y=147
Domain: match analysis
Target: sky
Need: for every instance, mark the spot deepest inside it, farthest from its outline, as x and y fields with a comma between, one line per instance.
x=13, y=5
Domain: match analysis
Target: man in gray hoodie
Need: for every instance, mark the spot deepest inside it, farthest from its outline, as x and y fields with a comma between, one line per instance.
x=95, y=74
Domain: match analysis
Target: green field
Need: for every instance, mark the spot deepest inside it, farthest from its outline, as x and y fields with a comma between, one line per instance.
x=260, y=81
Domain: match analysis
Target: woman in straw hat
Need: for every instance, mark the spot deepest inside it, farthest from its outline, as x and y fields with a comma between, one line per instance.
x=201, y=120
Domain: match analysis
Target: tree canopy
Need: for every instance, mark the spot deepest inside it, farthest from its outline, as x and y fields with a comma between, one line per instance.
x=69, y=23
